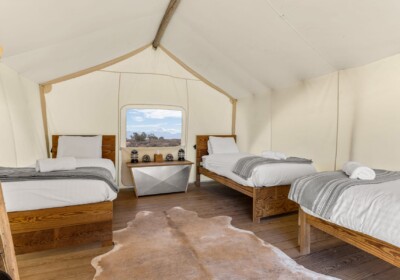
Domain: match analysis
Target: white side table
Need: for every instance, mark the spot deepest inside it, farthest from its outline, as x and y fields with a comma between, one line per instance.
x=160, y=177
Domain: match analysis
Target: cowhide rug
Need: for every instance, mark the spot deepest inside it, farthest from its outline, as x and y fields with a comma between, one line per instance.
x=178, y=244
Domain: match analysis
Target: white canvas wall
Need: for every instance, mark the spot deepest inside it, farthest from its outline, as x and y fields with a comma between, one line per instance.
x=22, y=135
x=304, y=117
x=253, y=123
x=304, y=121
x=95, y=103
x=84, y=105
x=370, y=116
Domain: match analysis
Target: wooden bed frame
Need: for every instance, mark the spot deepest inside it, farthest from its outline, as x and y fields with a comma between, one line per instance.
x=267, y=201
x=9, y=261
x=44, y=229
x=381, y=249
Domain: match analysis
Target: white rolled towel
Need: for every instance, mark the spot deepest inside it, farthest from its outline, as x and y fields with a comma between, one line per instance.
x=356, y=170
x=55, y=164
x=273, y=155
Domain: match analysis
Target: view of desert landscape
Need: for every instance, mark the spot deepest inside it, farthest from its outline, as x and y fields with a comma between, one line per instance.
x=150, y=140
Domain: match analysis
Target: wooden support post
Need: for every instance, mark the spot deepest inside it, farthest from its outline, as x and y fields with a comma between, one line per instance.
x=304, y=233
x=43, y=89
x=1, y=52
x=234, y=102
x=173, y=4
x=47, y=88
x=10, y=261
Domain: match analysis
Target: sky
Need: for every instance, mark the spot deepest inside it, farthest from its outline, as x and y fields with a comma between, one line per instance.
x=161, y=122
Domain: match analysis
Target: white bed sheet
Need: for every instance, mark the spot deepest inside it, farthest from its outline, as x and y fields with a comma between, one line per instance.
x=264, y=175
x=33, y=195
x=370, y=209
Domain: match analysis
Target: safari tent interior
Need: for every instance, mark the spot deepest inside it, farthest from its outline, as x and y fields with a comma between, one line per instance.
x=183, y=139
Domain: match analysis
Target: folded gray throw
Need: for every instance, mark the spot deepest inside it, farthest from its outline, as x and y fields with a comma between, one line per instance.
x=244, y=167
x=319, y=192
x=85, y=173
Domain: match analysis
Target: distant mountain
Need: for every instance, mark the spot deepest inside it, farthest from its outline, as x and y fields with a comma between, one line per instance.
x=159, y=133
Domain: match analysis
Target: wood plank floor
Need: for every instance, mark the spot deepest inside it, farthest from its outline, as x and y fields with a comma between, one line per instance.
x=329, y=256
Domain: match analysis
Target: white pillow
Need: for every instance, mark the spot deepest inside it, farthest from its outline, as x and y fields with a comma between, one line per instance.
x=223, y=145
x=80, y=146
x=209, y=148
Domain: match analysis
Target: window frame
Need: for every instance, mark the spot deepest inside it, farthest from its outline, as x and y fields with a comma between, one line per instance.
x=122, y=127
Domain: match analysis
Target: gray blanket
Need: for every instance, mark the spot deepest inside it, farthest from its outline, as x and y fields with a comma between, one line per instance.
x=319, y=192
x=244, y=167
x=85, y=173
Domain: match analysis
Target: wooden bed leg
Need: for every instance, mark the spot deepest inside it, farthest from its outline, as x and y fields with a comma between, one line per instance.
x=304, y=234
x=298, y=226
x=256, y=218
x=107, y=243
x=197, y=178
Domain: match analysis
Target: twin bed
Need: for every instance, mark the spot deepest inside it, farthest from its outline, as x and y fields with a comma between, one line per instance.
x=58, y=213
x=268, y=186
x=365, y=215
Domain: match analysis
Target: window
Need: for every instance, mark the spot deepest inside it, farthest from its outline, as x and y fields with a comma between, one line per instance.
x=153, y=128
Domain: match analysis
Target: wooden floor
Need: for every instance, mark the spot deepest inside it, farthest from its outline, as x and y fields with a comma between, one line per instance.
x=331, y=256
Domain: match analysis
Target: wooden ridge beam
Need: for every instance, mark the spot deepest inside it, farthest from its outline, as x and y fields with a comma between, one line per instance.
x=43, y=89
x=173, y=4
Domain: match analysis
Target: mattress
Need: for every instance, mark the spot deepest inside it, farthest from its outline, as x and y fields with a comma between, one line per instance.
x=268, y=175
x=370, y=209
x=33, y=195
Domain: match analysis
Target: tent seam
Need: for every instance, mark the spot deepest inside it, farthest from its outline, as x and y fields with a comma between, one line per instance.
x=337, y=118
x=119, y=178
x=147, y=73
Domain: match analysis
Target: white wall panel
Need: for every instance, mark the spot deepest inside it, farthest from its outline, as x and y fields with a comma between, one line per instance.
x=7, y=147
x=22, y=135
x=253, y=123
x=84, y=105
x=210, y=112
x=152, y=89
x=370, y=98
x=304, y=121
x=304, y=117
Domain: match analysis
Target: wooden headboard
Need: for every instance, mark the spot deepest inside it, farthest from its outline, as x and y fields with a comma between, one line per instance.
x=202, y=148
x=108, y=146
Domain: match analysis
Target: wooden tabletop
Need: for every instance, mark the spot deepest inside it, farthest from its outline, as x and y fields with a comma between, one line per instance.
x=164, y=163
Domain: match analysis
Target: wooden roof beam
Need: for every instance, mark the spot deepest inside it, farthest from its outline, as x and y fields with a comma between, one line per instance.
x=173, y=4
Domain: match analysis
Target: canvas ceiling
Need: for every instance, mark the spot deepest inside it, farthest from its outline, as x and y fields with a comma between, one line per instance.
x=244, y=47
